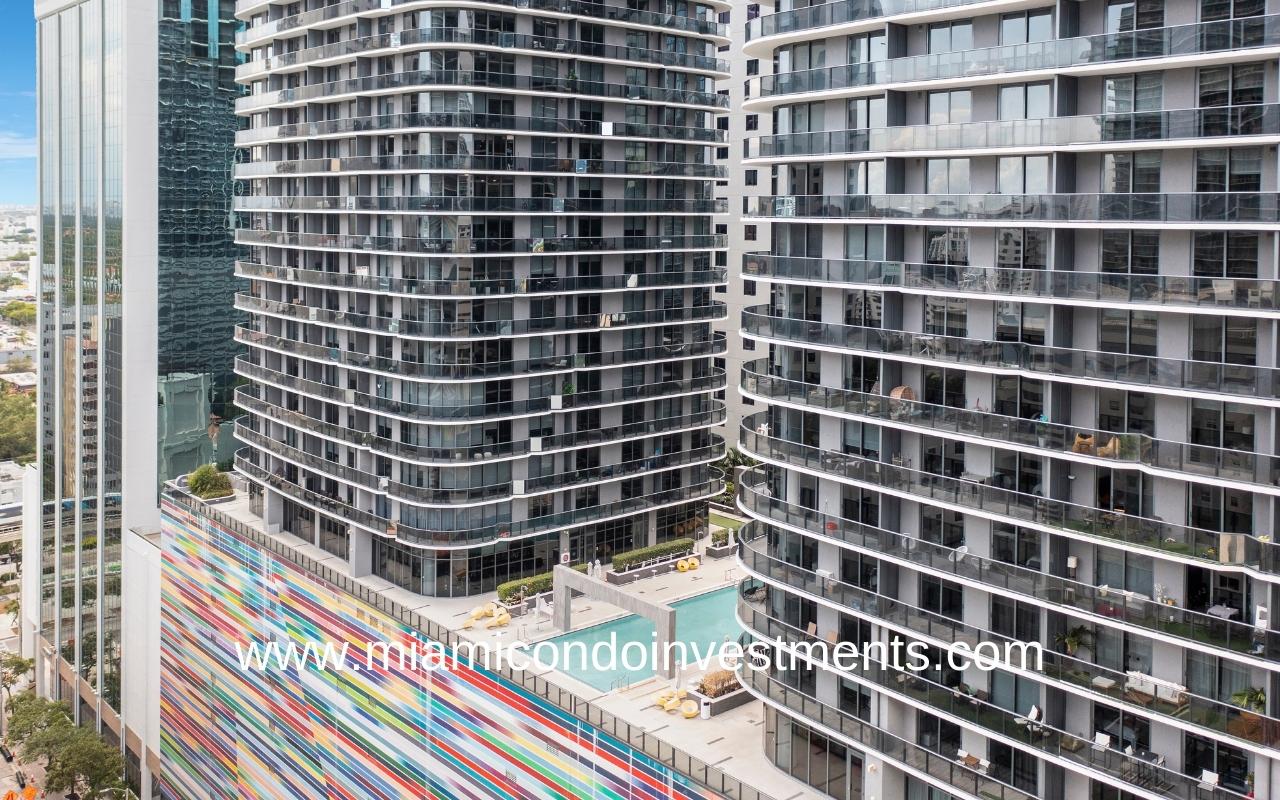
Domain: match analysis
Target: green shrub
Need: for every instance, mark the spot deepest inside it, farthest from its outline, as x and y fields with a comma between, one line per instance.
x=513, y=591
x=624, y=561
x=207, y=483
x=719, y=538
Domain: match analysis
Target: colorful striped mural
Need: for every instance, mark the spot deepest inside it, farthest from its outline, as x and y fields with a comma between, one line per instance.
x=357, y=734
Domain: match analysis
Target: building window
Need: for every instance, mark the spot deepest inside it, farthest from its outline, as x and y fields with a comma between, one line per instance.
x=722, y=123
x=1138, y=173
x=949, y=37
x=753, y=122
x=946, y=246
x=1022, y=248
x=722, y=153
x=1128, y=15
x=1229, y=170
x=749, y=288
x=1134, y=252
x=749, y=233
x=1230, y=9
x=751, y=177
x=1026, y=101
x=1225, y=254
x=1025, y=27
x=947, y=176
x=1132, y=332
x=950, y=107
x=1126, y=94
x=1231, y=85
x=1023, y=175
x=942, y=597
x=722, y=229
x=944, y=387
x=753, y=66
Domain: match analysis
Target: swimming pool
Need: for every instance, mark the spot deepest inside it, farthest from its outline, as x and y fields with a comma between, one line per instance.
x=702, y=621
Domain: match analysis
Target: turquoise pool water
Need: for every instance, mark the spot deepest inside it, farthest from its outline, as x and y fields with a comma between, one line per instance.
x=702, y=621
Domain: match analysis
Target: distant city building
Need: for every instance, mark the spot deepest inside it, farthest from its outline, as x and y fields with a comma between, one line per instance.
x=136, y=284
x=24, y=382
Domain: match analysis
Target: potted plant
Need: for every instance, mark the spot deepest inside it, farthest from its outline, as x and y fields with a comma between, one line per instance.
x=1075, y=638
x=1249, y=725
x=1251, y=699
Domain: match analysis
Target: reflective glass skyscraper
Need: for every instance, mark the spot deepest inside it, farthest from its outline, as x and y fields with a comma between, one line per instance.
x=136, y=140
x=482, y=270
x=1021, y=385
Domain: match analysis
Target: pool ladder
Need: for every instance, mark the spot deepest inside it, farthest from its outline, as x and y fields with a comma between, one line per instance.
x=623, y=681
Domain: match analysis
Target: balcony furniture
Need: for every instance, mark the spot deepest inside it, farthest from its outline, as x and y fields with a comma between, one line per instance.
x=1222, y=612
x=1083, y=444
x=1208, y=780
x=983, y=766
x=1101, y=742
x=1102, y=683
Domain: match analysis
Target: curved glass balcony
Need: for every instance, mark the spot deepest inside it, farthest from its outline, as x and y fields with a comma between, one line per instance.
x=878, y=609
x=1211, y=294
x=411, y=287
x=1207, y=207
x=1052, y=132
x=394, y=245
x=877, y=740
x=289, y=25
x=451, y=456
x=488, y=534
x=539, y=326
x=425, y=412
x=507, y=41
x=413, y=81
x=449, y=496
x=1185, y=460
x=389, y=123
x=1243, y=383
x=1053, y=55
x=466, y=163
x=470, y=204
x=1080, y=521
x=427, y=372
x=1143, y=615
x=842, y=11
x=765, y=627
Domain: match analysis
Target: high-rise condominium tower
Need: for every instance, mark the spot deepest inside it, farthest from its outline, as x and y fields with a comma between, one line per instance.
x=481, y=266
x=1022, y=386
x=136, y=138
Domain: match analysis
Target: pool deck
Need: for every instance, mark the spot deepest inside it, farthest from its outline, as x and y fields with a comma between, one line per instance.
x=732, y=741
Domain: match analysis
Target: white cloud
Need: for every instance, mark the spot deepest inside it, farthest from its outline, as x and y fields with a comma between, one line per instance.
x=13, y=145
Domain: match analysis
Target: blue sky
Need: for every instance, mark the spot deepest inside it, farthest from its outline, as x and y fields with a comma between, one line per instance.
x=17, y=103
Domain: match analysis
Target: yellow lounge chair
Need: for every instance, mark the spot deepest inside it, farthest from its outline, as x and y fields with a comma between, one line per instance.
x=693, y=563
x=661, y=699
x=689, y=708
x=672, y=705
x=498, y=621
x=682, y=565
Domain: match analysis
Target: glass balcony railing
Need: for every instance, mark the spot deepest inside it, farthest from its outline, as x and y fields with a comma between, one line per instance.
x=953, y=701
x=1120, y=449
x=471, y=204
x=451, y=456
x=1051, y=132
x=484, y=370
x=447, y=497
x=1053, y=55
x=468, y=163
x=390, y=123
x=412, y=287
x=495, y=532
x=1077, y=287
x=1056, y=515
x=260, y=33
x=879, y=609
x=537, y=326
x=877, y=740
x=842, y=11
x=1207, y=207
x=417, y=80
x=424, y=412
x=396, y=42
x=1059, y=593
x=461, y=245
x=1241, y=382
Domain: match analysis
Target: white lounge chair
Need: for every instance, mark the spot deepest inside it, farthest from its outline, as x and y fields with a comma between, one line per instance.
x=1208, y=780
x=1101, y=742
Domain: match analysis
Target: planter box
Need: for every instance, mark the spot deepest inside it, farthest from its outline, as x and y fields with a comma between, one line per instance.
x=723, y=551
x=724, y=702
x=636, y=573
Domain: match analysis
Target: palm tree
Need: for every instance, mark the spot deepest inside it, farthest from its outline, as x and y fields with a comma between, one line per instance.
x=1251, y=699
